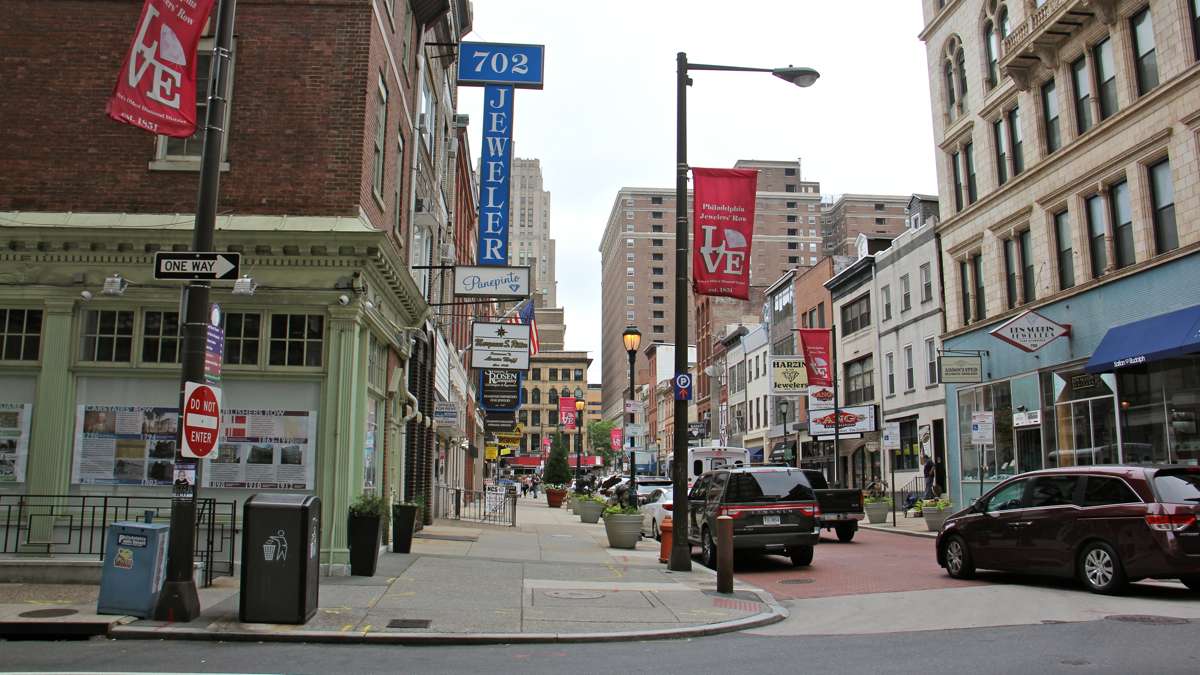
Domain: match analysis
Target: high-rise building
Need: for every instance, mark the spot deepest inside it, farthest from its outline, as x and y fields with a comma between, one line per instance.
x=638, y=263
x=1068, y=181
x=846, y=216
x=529, y=241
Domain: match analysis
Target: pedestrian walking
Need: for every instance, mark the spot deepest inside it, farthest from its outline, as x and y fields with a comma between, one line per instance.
x=533, y=485
x=524, y=486
x=930, y=473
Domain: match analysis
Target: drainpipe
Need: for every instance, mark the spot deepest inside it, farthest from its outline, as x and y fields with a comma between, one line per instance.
x=410, y=413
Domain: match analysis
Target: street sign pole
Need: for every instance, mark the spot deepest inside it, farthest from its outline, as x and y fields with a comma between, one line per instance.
x=178, y=600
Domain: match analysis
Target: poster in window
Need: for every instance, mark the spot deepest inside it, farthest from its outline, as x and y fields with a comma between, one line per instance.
x=14, y=441
x=125, y=445
x=264, y=450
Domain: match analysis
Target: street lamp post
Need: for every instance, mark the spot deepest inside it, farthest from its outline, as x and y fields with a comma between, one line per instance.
x=633, y=340
x=681, y=554
x=580, y=404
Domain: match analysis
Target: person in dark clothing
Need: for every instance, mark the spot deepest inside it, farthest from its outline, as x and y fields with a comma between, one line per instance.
x=930, y=472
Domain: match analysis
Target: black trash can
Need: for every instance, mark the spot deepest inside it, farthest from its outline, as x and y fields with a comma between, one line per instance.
x=281, y=536
x=404, y=517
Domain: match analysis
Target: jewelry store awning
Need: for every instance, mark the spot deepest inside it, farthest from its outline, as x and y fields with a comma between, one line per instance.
x=1154, y=339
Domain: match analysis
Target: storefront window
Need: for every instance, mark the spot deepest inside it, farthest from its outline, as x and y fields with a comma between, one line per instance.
x=1084, y=420
x=906, y=457
x=1159, y=407
x=999, y=458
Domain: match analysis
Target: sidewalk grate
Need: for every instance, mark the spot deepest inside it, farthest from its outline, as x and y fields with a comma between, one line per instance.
x=409, y=623
x=47, y=613
x=1147, y=619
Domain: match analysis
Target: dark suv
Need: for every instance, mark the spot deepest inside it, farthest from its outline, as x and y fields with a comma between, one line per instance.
x=774, y=509
x=1107, y=525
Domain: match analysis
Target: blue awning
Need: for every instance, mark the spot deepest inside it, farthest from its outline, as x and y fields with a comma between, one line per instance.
x=1160, y=337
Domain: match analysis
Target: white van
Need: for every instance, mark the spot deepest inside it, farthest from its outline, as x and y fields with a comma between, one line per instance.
x=705, y=458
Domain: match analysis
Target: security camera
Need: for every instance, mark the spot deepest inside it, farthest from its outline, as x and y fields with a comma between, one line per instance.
x=343, y=299
x=86, y=295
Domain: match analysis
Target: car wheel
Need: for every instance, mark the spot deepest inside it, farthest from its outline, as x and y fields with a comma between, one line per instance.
x=958, y=559
x=801, y=556
x=845, y=533
x=1192, y=582
x=1100, y=569
x=654, y=531
x=708, y=550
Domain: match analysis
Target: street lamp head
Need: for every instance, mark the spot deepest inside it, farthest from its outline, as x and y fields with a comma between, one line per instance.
x=579, y=404
x=633, y=339
x=801, y=77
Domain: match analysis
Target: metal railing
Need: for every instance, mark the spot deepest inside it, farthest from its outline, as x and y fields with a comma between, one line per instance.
x=77, y=524
x=494, y=506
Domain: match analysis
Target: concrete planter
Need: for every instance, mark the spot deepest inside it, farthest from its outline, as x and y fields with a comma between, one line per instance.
x=589, y=511
x=623, y=531
x=877, y=513
x=935, y=519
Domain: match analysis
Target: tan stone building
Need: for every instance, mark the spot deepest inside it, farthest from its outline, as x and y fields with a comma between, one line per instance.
x=529, y=229
x=549, y=373
x=638, y=262
x=846, y=216
x=1066, y=136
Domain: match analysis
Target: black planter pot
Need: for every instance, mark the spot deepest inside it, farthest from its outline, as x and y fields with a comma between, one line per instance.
x=363, y=533
x=403, y=519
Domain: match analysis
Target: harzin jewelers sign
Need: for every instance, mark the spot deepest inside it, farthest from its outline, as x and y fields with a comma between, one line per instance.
x=1031, y=331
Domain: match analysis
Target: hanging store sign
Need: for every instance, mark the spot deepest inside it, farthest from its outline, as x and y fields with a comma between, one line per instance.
x=723, y=229
x=503, y=346
x=815, y=345
x=789, y=376
x=499, y=389
x=1031, y=331
x=960, y=369
x=445, y=412
x=851, y=420
x=156, y=88
x=485, y=63
x=819, y=397
x=495, y=170
x=500, y=422
x=491, y=282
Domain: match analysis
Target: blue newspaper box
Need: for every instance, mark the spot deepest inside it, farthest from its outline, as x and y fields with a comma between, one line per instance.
x=135, y=565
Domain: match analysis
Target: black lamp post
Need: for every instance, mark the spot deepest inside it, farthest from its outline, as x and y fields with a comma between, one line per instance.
x=565, y=392
x=579, y=406
x=633, y=340
x=783, y=411
x=681, y=551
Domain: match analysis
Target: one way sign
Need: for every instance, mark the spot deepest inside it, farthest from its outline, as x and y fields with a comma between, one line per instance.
x=192, y=266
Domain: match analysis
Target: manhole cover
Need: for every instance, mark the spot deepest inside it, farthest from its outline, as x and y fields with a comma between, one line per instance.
x=574, y=595
x=796, y=581
x=1147, y=618
x=47, y=613
x=408, y=623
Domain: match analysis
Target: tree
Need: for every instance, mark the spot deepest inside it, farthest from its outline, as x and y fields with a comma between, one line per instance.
x=599, y=436
x=557, y=471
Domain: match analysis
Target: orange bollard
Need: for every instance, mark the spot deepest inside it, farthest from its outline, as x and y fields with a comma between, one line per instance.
x=664, y=551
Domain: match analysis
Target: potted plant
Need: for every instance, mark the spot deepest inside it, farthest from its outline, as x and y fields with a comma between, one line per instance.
x=877, y=508
x=590, y=508
x=363, y=530
x=623, y=525
x=935, y=512
x=557, y=474
x=404, y=521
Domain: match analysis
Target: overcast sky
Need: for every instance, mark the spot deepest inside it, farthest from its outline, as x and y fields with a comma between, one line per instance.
x=606, y=117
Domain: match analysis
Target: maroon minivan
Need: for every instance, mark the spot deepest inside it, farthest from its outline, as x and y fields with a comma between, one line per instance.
x=1106, y=525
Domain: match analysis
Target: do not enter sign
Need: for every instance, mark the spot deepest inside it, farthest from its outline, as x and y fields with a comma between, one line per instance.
x=201, y=419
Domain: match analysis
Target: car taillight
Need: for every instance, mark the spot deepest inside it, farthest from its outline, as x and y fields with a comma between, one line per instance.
x=666, y=507
x=731, y=512
x=1171, y=523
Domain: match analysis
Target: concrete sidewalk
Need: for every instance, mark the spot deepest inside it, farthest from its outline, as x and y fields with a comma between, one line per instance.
x=551, y=579
x=913, y=526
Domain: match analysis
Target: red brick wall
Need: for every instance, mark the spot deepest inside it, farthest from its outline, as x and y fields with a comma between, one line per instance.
x=296, y=139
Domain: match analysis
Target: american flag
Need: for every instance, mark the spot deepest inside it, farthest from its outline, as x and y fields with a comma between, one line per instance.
x=524, y=314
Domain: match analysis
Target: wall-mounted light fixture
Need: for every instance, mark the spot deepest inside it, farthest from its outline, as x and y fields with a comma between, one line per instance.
x=114, y=285
x=244, y=286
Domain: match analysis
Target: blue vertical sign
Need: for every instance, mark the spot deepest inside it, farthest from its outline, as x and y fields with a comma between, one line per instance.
x=495, y=169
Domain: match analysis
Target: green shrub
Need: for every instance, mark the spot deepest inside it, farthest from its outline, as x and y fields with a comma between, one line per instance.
x=367, y=504
x=620, y=510
x=557, y=473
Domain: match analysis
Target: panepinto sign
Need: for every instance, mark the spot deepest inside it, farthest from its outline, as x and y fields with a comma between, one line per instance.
x=1031, y=331
x=723, y=231
x=156, y=89
x=817, y=357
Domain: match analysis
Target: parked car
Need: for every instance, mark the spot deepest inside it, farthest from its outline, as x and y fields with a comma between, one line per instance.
x=841, y=509
x=774, y=510
x=645, y=485
x=656, y=508
x=1106, y=525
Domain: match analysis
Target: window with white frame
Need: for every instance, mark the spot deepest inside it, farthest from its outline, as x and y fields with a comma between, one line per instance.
x=931, y=362
x=905, y=294
x=926, y=283
x=107, y=336
x=381, y=102
x=169, y=149
x=20, y=334
x=296, y=340
x=242, y=336
x=910, y=377
x=889, y=373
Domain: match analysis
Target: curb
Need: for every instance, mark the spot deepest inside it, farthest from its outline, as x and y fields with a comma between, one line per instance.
x=775, y=614
x=893, y=530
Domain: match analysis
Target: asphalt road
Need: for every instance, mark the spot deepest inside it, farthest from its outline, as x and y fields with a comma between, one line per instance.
x=1094, y=647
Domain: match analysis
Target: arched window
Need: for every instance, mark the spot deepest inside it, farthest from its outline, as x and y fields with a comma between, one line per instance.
x=995, y=29
x=954, y=71
x=552, y=396
x=536, y=396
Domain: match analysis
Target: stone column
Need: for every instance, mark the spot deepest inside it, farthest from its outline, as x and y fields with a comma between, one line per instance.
x=51, y=434
x=343, y=411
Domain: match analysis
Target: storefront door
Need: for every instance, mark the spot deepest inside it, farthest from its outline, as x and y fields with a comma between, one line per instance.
x=1087, y=432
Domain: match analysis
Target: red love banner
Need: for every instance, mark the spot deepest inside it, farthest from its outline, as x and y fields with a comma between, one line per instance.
x=156, y=89
x=723, y=231
x=616, y=439
x=566, y=412
x=817, y=357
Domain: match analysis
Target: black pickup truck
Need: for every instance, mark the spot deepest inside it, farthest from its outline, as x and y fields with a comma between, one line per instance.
x=840, y=509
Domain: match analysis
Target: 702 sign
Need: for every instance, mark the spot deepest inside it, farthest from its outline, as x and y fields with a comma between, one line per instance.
x=491, y=63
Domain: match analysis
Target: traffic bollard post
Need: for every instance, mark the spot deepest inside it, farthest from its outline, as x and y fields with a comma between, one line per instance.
x=724, y=554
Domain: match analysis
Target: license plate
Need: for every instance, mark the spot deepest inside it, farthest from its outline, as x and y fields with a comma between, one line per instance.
x=770, y=520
